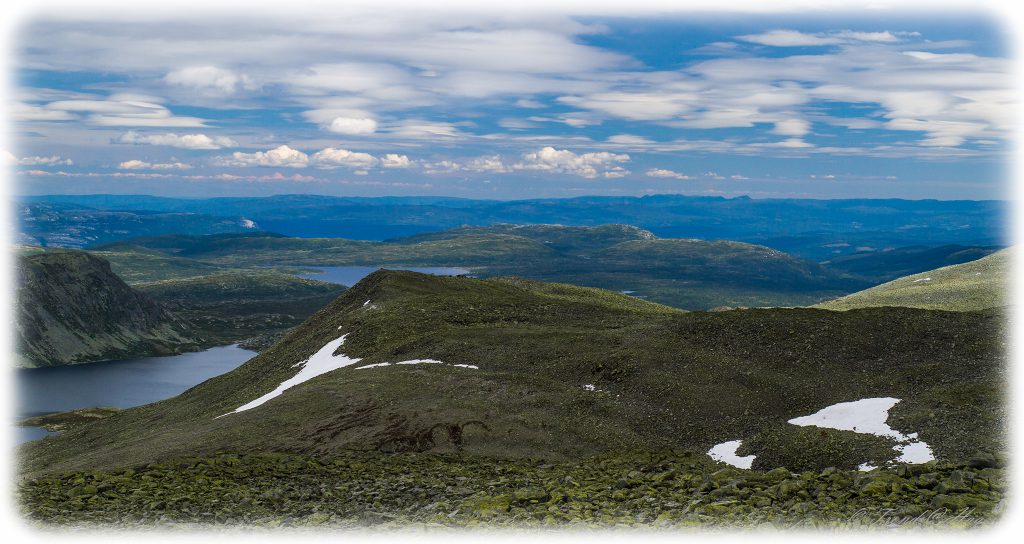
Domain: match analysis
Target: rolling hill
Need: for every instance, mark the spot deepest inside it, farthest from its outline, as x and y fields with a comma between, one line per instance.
x=971, y=286
x=71, y=308
x=684, y=273
x=511, y=368
x=889, y=264
x=253, y=307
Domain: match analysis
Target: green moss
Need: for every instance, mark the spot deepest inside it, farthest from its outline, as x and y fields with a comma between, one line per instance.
x=63, y=421
x=371, y=489
x=815, y=448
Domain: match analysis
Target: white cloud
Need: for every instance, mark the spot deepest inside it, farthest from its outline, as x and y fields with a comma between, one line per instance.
x=418, y=129
x=940, y=133
x=788, y=38
x=211, y=79
x=125, y=110
x=393, y=160
x=136, y=164
x=738, y=177
x=516, y=123
x=792, y=127
x=442, y=167
x=529, y=104
x=352, y=125
x=21, y=111
x=639, y=106
x=282, y=156
x=629, y=140
x=663, y=173
x=183, y=141
x=795, y=38
x=331, y=158
x=327, y=158
x=586, y=165
x=791, y=143
x=7, y=158
x=492, y=163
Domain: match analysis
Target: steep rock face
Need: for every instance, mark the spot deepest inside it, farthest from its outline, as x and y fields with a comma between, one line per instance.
x=71, y=308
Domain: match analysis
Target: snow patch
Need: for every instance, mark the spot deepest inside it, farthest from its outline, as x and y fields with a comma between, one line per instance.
x=321, y=362
x=869, y=416
x=375, y=365
x=921, y=279
x=726, y=453
x=420, y=362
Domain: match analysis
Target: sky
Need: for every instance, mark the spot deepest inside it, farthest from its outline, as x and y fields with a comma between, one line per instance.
x=359, y=100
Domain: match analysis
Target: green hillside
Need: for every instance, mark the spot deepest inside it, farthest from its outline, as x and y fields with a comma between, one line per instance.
x=71, y=308
x=253, y=306
x=566, y=372
x=890, y=264
x=976, y=285
x=684, y=273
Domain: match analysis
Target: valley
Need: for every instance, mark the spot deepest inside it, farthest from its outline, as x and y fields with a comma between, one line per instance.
x=471, y=270
x=579, y=347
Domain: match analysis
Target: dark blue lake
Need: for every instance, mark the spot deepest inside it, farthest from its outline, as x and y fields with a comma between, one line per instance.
x=122, y=384
x=350, y=275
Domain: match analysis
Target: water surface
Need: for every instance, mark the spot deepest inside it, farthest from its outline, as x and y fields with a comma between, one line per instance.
x=121, y=384
x=350, y=275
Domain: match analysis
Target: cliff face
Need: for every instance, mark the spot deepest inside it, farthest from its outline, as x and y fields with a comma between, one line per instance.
x=71, y=309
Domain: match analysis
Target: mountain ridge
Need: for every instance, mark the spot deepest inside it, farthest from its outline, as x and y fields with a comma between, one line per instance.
x=659, y=379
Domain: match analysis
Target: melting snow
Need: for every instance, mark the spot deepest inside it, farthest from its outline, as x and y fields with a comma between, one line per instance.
x=321, y=362
x=921, y=279
x=373, y=366
x=420, y=362
x=726, y=453
x=869, y=416
x=866, y=467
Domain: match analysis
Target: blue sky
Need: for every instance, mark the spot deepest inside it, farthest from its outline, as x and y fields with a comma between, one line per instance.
x=526, y=104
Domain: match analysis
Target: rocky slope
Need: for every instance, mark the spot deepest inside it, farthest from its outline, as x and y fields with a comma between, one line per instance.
x=72, y=309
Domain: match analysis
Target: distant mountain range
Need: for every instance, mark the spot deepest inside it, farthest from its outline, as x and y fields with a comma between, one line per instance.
x=813, y=229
